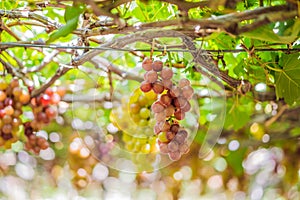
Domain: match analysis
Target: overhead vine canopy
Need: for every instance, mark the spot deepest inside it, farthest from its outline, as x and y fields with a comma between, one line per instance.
x=241, y=59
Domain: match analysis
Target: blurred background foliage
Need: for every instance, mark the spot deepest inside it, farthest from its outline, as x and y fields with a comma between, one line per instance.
x=255, y=51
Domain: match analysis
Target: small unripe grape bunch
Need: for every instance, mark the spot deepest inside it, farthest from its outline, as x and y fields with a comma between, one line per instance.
x=170, y=107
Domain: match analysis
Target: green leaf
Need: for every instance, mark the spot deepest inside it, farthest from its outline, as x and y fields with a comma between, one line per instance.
x=287, y=79
x=64, y=30
x=235, y=160
x=73, y=12
x=295, y=131
x=266, y=33
x=71, y=17
x=238, y=113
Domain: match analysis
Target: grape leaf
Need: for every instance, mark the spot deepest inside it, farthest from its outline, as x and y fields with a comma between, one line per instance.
x=238, y=113
x=267, y=34
x=287, y=79
x=71, y=17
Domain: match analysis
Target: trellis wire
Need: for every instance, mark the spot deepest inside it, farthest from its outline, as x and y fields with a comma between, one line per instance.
x=53, y=46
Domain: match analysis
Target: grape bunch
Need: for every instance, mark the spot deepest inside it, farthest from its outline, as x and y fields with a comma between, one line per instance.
x=170, y=107
x=13, y=98
x=34, y=143
x=134, y=122
x=44, y=107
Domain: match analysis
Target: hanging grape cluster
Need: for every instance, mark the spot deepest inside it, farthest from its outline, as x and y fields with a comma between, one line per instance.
x=13, y=98
x=169, y=108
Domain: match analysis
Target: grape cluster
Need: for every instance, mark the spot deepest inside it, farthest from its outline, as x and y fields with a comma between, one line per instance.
x=34, y=143
x=13, y=98
x=134, y=122
x=170, y=107
x=44, y=107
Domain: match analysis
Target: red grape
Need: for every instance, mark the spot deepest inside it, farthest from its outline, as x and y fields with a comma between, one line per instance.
x=147, y=64
x=183, y=82
x=145, y=86
x=158, y=87
x=151, y=76
x=157, y=65
x=157, y=107
x=166, y=73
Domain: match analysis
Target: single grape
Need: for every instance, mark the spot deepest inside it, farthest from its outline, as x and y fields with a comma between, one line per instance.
x=7, y=136
x=175, y=155
x=163, y=147
x=170, y=135
x=143, y=101
x=184, y=148
x=169, y=111
x=24, y=97
x=186, y=107
x=3, y=84
x=16, y=122
x=151, y=76
x=183, y=82
x=173, y=146
x=162, y=137
x=8, y=102
x=151, y=95
x=165, y=99
x=134, y=108
x=61, y=91
x=159, y=117
x=9, y=110
x=17, y=92
x=49, y=91
x=14, y=83
x=174, y=128
x=42, y=117
x=50, y=112
x=158, y=87
x=17, y=113
x=175, y=92
x=157, y=65
x=7, y=119
x=188, y=92
x=157, y=107
x=144, y=113
x=55, y=98
x=166, y=73
x=143, y=122
x=2, y=113
x=45, y=100
x=146, y=148
x=7, y=128
x=145, y=86
x=179, y=115
x=168, y=84
x=147, y=64
x=179, y=102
